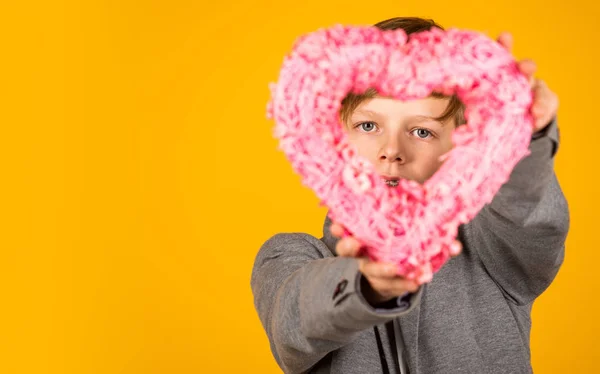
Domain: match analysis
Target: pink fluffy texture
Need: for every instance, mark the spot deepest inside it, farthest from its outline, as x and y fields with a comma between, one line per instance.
x=412, y=225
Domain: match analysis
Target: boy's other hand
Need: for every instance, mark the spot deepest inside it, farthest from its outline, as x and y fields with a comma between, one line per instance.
x=545, y=101
x=383, y=282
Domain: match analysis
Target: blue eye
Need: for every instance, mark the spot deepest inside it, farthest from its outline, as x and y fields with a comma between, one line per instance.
x=422, y=133
x=367, y=126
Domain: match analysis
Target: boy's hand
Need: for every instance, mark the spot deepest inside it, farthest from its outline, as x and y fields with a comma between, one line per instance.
x=383, y=282
x=545, y=102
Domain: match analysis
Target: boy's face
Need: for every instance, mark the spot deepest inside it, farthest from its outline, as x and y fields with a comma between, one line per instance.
x=401, y=138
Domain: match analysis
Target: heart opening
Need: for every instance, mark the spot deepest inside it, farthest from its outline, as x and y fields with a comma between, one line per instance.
x=401, y=139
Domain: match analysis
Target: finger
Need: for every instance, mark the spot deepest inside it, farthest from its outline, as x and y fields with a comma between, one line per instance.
x=336, y=229
x=541, y=97
x=392, y=287
x=348, y=247
x=540, y=108
x=401, y=285
x=545, y=104
x=542, y=92
x=455, y=248
x=528, y=68
x=542, y=121
x=506, y=40
x=542, y=116
x=372, y=269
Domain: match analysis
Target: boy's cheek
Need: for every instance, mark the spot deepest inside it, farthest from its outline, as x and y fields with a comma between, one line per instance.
x=365, y=147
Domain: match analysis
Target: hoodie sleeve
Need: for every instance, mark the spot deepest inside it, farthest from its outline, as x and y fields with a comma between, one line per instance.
x=520, y=236
x=310, y=304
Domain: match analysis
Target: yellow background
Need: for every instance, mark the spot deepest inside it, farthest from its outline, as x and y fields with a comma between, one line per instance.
x=140, y=176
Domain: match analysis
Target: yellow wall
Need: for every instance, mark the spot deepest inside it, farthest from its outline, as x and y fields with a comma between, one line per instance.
x=140, y=177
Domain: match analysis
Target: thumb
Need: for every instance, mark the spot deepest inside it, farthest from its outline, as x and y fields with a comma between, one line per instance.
x=455, y=248
x=348, y=247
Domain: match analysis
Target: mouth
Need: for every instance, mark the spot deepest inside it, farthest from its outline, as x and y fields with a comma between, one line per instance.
x=391, y=181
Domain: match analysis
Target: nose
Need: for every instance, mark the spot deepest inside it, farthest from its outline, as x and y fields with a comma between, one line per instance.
x=392, y=151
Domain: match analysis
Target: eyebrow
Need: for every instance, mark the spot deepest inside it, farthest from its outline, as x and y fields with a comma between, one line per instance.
x=429, y=118
x=366, y=111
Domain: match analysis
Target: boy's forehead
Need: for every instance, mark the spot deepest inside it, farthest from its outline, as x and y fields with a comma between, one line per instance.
x=427, y=107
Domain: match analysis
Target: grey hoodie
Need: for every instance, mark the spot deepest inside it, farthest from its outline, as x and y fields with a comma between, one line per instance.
x=473, y=317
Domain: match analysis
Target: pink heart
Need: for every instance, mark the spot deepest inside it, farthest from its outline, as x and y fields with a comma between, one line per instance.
x=412, y=225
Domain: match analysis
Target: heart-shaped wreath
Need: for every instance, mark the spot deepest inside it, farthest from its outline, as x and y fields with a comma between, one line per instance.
x=412, y=225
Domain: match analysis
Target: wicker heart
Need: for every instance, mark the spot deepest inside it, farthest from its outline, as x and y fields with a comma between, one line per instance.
x=412, y=225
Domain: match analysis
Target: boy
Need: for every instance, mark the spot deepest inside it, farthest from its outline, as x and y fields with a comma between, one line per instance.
x=325, y=310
